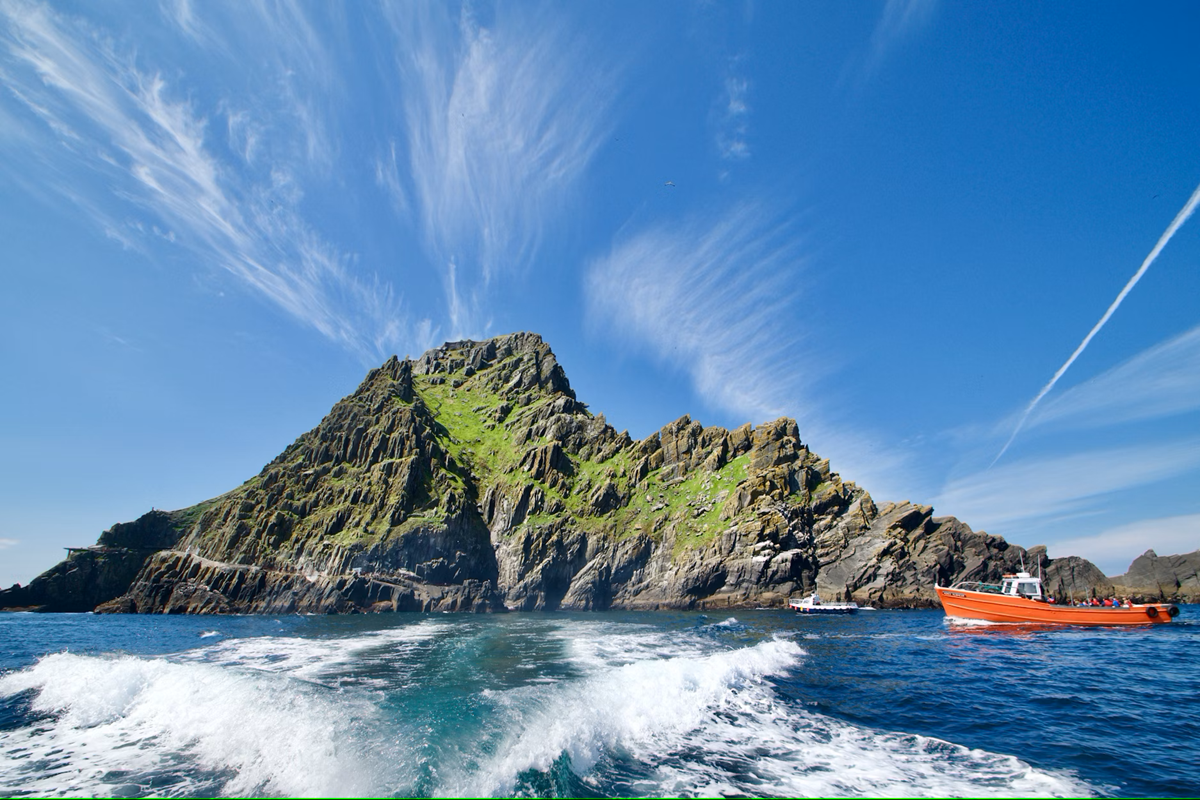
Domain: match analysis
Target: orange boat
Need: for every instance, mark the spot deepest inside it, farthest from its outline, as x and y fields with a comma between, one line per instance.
x=1019, y=598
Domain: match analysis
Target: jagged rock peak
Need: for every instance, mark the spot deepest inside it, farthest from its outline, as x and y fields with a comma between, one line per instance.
x=535, y=362
x=521, y=362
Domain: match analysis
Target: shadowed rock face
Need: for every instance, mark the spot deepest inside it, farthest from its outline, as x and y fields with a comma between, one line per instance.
x=472, y=479
x=1168, y=578
x=1071, y=578
x=88, y=578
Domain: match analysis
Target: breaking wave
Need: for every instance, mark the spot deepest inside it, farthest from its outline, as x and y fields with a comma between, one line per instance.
x=677, y=721
x=134, y=725
x=418, y=709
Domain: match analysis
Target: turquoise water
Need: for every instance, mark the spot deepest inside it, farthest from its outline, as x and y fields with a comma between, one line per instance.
x=754, y=703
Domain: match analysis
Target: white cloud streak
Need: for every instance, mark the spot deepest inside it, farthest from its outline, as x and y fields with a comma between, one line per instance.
x=706, y=296
x=1114, y=549
x=900, y=20
x=1034, y=488
x=388, y=177
x=152, y=149
x=733, y=117
x=7, y=543
x=716, y=297
x=502, y=121
x=1180, y=218
x=1159, y=382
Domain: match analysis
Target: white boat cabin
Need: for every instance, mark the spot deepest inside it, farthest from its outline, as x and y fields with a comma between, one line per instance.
x=1022, y=584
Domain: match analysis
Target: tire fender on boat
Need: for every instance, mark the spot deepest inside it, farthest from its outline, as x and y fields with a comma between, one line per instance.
x=1173, y=611
x=1151, y=611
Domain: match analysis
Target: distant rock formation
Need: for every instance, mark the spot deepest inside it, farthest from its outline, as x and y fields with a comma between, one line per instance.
x=473, y=479
x=1168, y=578
x=91, y=576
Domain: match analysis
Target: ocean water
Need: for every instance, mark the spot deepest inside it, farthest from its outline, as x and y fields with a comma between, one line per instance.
x=889, y=703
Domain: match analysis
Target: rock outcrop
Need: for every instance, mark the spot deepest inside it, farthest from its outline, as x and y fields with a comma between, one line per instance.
x=91, y=576
x=1152, y=577
x=473, y=479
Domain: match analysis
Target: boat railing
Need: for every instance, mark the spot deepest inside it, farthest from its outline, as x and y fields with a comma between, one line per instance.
x=977, y=586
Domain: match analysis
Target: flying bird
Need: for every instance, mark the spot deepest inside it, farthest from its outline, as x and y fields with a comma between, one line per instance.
x=670, y=183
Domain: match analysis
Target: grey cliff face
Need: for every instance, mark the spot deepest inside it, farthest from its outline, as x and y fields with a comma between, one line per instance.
x=1167, y=578
x=473, y=479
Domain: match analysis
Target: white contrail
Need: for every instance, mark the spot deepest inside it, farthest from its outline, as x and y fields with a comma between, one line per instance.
x=1180, y=218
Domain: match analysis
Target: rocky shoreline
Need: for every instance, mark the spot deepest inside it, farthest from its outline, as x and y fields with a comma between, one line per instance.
x=472, y=479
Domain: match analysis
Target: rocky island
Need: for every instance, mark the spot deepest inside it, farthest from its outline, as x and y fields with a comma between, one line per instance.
x=473, y=479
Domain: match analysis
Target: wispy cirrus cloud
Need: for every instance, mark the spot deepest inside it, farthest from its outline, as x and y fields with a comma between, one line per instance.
x=1037, y=488
x=703, y=295
x=1182, y=217
x=1115, y=548
x=900, y=20
x=501, y=121
x=714, y=297
x=388, y=177
x=1161, y=381
x=142, y=139
x=733, y=115
x=7, y=543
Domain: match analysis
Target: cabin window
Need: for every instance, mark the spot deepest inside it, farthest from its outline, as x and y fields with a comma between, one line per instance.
x=1029, y=588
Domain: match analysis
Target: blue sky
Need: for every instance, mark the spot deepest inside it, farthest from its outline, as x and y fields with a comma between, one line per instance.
x=893, y=221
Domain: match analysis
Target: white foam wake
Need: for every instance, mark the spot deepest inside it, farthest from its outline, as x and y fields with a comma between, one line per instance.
x=152, y=726
x=634, y=705
x=319, y=660
x=696, y=723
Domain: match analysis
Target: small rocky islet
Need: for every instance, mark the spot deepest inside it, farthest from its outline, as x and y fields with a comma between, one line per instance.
x=472, y=479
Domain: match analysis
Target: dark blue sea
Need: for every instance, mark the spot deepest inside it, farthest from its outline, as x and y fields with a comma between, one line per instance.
x=895, y=703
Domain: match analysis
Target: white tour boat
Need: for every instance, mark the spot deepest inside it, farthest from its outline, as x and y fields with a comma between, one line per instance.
x=814, y=605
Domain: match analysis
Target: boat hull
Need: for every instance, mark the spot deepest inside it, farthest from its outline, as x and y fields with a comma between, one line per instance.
x=969, y=604
x=825, y=609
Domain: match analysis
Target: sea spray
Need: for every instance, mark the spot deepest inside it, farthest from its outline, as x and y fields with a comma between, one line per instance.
x=575, y=704
x=644, y=702
x=195, y=728
x=678, y=720
x=318, y=660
